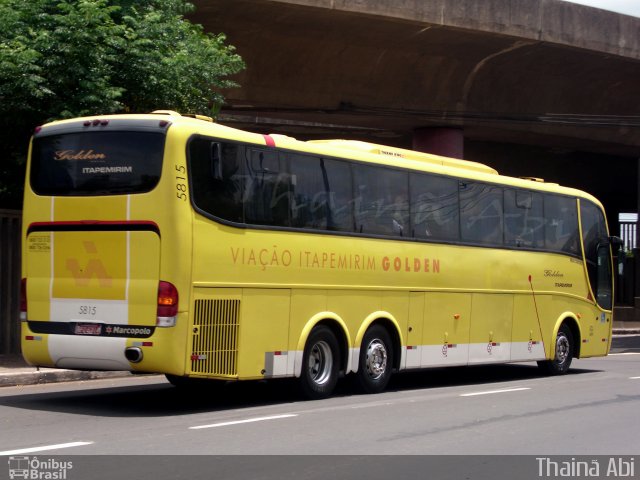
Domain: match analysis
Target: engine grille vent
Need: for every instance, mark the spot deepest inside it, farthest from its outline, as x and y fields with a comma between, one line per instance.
x=215, y=337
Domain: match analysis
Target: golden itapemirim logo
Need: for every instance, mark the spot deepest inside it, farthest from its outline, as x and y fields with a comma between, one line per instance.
x=308, y=259
x=79, y=155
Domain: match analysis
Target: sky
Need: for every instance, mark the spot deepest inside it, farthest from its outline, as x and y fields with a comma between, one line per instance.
x=628, y=7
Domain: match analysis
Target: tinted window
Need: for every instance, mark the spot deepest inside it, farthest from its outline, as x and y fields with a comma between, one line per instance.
x=561, y=224
x=217, y=178
x=594, y=229
x=523, y=219
x=96, y=163
x=272, y=187
x=321, y=193
x=594, y=233
x=381, y=200
x=434, y=207
x=481, y=213
x=340, y=189
x=267, y=188
x=604, y=282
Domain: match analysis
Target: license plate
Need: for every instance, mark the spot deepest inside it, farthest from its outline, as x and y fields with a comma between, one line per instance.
x=88, y=329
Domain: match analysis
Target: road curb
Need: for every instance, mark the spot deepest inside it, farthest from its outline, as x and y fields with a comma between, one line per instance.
x=12, y=379
x=626, y=331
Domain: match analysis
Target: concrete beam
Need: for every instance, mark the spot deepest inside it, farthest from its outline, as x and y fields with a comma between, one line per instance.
x=552, y=21
x=545, y=72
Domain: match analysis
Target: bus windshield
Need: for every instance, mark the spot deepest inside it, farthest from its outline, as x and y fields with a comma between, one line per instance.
x=96, y=163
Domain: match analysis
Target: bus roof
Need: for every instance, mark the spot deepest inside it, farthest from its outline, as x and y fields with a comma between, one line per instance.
x=351, y=149
x=408, y=154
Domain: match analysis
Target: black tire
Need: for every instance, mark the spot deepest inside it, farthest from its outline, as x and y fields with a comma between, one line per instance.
x=320, y=364
x=563, y=354
x=376, y=360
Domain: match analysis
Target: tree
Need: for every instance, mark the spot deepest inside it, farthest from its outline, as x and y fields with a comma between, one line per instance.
x=68, y=58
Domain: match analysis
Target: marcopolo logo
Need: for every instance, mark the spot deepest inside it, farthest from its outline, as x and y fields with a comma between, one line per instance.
x=128, y=331
x=36, y=469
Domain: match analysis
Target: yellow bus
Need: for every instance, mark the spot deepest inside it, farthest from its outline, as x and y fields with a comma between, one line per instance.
x=172, y=244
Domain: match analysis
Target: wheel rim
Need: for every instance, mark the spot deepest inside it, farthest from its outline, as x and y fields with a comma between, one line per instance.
x=320, y=363
x=376, y=359
x=563, y=349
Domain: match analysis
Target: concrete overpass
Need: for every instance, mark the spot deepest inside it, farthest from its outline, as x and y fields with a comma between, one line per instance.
x=544, y=88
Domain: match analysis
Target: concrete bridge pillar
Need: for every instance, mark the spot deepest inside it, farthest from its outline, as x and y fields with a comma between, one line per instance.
x=448, y=142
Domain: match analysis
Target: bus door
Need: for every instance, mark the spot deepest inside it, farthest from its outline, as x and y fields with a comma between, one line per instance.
x=597, y=249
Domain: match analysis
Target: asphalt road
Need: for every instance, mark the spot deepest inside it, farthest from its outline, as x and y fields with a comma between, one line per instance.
x=509, y=409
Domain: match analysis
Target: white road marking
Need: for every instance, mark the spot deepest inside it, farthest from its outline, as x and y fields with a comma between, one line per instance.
x=634, y=378
x=371, y=405
x=238, y=422
x=44, y=448
x=489, y=392
x=624, y=353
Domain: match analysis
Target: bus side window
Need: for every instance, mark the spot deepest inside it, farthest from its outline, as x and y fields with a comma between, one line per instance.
x=596, y=252
x=434, y=207
x=382, y=202
x=216, y=161
x=338, y=186
x=215, y=171
x=523, y=220
x=309, y=199
x=268, y=189
x=561, y=224
x=481, y=213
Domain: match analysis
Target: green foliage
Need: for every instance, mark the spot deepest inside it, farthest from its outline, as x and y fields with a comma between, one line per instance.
x=68, y=58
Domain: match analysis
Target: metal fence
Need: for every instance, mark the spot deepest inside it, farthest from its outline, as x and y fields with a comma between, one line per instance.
x=628, y=235
x=10, y=227
x=627, y=223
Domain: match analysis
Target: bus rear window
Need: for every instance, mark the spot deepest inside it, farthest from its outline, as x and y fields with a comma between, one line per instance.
x=96, y=163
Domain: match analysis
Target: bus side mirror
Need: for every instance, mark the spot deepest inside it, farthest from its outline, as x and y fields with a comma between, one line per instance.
x=616, y=244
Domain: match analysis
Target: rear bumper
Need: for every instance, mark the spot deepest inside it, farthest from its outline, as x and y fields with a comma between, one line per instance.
x=162, y=351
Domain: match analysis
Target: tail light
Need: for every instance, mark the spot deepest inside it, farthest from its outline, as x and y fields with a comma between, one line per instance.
x=23, y=300
x=167, y=305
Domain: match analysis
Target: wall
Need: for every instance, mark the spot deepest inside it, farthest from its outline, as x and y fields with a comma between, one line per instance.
x=10, y=228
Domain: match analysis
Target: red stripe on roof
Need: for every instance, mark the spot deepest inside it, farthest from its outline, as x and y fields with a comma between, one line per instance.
x=269, y=140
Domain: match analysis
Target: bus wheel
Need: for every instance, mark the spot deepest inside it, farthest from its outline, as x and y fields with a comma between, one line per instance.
x=376, y=360
x=563, y=353
x=320, y=363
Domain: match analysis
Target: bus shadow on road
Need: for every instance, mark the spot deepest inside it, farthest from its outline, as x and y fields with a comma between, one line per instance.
x=470, y=375
x=162, y=399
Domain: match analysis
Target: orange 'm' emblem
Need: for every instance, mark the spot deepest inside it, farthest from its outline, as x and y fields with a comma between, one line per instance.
x=94, y=268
